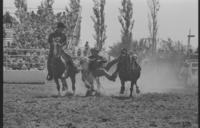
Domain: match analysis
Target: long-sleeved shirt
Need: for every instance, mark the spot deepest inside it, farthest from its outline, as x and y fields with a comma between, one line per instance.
x=56, y=37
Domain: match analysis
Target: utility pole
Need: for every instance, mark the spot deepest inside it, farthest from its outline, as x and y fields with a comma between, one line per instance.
x=189, y=36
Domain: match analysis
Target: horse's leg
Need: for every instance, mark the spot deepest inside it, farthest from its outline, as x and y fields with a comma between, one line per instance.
x=73, y=80
x=64, y=84
x=57, y=85
x=90, y=88
x=122, y=87
x=98, y=85
x=137, y=88
x=131, y=89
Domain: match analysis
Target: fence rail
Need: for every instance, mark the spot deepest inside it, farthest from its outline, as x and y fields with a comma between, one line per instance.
x=24, y=59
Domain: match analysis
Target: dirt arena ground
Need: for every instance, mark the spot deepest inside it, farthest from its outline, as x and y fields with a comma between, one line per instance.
x=161, y=104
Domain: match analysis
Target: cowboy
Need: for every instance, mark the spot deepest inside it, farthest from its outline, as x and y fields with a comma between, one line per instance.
x=131, y=62
x=87, y=47
x=134, y=64
x=124, y=53
x=96, y=64
x=58, y=37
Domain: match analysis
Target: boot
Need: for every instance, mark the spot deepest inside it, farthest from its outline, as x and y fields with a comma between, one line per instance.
x=111, y=78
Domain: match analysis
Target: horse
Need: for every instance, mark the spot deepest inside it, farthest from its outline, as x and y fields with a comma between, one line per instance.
x=58, y=68
x=127, y=72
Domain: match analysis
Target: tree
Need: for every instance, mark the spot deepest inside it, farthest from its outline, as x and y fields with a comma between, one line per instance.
x=115, y=49
x=73, y=21
x=21, y=6
x=45, y=11
x=154, y=7
x=99, y=23
x=7, y=18
x=126, y=20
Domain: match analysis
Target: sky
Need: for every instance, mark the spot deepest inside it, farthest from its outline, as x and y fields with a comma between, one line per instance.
x=175, y=18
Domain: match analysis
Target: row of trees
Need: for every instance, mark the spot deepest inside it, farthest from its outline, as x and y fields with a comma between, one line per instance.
x=145, y=45
x=127, y=22
x=37, y=26
x=46, y=18
x=34, y=27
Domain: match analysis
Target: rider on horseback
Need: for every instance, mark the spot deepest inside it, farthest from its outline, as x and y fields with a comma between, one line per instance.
x=96, y=64
x=134, y=61
x=131, y=62
x=59, y=38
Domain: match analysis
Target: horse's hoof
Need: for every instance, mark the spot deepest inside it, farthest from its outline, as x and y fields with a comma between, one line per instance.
x=97, y=94
x=131, y=97
x=121, y=92
x=59, y=94
x=88, y=93
x=137, y=91
x=64, y=93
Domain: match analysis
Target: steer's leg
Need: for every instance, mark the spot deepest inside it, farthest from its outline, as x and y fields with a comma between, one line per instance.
x=64, y=83
x=103, y=72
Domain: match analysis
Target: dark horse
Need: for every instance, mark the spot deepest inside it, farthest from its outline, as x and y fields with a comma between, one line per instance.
x=127, y=72
x=58, y=68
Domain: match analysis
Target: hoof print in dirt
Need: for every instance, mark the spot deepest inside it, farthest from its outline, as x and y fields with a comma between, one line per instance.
x=153, y=124
x=105, y=120
x=55, y=96
x=183, y=124
x=70, y=125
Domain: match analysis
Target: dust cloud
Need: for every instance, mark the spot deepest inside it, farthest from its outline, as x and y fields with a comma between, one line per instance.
x=155, y=77
x=159, y=77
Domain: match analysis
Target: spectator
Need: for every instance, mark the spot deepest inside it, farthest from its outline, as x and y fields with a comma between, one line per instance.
x=79, y=52
x=86, y=50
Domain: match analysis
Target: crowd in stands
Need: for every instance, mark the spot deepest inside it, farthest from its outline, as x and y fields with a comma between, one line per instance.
x=31, y=33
